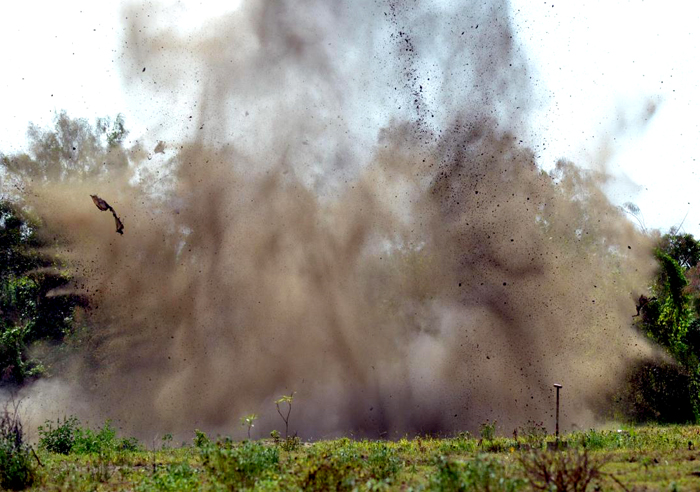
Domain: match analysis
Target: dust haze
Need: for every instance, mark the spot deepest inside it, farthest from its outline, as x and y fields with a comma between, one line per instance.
x=345, y=208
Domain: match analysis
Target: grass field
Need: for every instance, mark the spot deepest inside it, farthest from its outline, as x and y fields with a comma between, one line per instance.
x=634, y=458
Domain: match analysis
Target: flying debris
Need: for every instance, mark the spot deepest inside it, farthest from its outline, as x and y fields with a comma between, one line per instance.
x=103, y=205
x=642, y=303
x=118, y=223
x=100, y=203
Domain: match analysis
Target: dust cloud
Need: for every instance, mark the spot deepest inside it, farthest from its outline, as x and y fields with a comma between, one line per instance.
x=345, y=209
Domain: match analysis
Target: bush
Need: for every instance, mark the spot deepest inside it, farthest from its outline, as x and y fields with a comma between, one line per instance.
x=564, y=471
x=200, y=439
x=657, y=392
x=477, y=474
x=102, y=441
x=351, y=466
x=534, y=433
x=69, y=437
x=383, y=463
x=240, y=466
x=488, y=430
x=16, y=467
x=59, y=439
x=175, y=477
x=291, y=444
x=330, y=473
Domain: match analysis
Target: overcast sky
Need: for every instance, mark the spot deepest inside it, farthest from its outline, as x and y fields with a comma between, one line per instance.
x=601, y=66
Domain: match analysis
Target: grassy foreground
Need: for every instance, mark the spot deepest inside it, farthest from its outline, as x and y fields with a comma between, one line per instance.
x=641, y=458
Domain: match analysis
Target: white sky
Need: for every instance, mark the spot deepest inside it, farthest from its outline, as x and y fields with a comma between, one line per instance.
x=600, y=62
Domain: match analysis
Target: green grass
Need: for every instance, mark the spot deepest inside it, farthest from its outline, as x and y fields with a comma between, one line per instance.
x=641, y=458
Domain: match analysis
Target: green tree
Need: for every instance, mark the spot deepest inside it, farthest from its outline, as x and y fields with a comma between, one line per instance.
x=29, y=309
x=661, y=391
x=683, y=248
x=672, y=314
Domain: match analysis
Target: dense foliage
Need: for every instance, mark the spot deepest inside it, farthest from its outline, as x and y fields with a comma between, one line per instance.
x=30, y=308
x=666, y=391
x=68, y=436
x=16, y=461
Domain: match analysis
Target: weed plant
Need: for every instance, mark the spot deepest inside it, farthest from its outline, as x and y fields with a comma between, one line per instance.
x=571, y=471
x=16, y=460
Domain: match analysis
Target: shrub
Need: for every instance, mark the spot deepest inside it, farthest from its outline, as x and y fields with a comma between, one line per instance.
x=330, y=473
x=69, y=437
x=456, y=445
x=657, y=392
x=477, y=474
x=564, y=471
x=128, y=444
x=351, y=466
x=175, y=477
x=59, y=439
x=291, y=444
x=101, y=468
x=534, y=433
x=200, y=439
x=383, y=463
x=16, y=467
x=240, y=466
x=167, y=440
x=488, y=430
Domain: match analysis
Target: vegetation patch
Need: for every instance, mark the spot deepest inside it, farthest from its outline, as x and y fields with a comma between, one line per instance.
x=16, y=457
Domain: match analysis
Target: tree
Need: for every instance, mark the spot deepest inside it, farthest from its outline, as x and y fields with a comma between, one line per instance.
x=671, y=325
x=659, y=390
x=693, y=287
x=683, y=248
x=28, y=311
x=72, y=149
x=288, y=399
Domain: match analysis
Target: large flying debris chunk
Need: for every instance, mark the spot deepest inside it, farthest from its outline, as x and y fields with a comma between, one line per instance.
x=100, y=203
x=104, y=206
x=642, y=304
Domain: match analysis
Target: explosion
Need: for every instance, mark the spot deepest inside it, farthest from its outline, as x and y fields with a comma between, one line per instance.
x=344, y=209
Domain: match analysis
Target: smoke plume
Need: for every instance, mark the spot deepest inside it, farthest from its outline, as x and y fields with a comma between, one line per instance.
x=344, y=209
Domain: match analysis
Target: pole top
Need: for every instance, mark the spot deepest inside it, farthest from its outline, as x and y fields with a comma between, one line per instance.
x=557, y=385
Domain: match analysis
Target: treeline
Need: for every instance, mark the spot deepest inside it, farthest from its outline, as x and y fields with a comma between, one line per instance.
x=39, y=316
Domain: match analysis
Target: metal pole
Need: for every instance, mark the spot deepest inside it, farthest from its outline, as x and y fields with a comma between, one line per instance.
x=558, y=387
